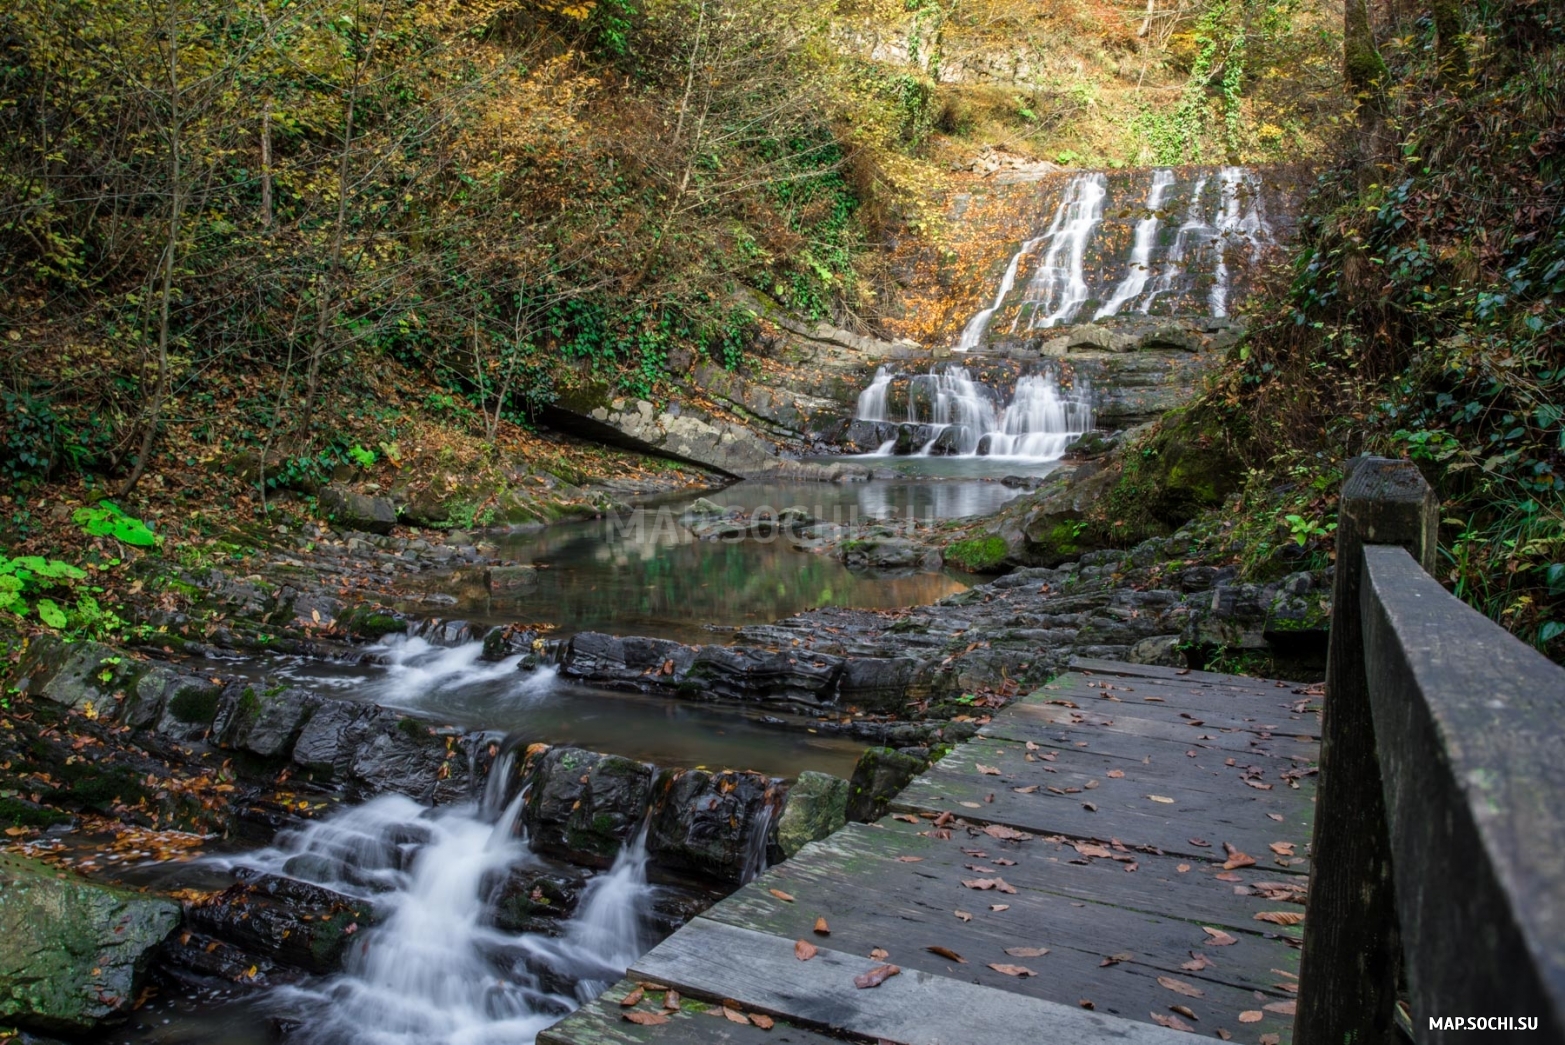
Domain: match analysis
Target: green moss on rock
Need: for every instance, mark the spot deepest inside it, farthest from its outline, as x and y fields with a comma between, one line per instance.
x=978, y=554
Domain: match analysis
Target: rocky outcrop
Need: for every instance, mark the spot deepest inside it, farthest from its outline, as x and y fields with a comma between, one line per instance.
x=880, y=775
x=582, y=805
x=714, y=824
x=357, y=511
x=73, y=954
x=282, y=920
x=817, y=805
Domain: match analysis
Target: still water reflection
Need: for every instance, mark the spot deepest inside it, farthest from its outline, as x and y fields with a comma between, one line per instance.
x=644, y=573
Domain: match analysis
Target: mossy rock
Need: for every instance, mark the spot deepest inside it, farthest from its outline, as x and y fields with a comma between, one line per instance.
x=979, y=554
x=817, y=805
x=880, y=776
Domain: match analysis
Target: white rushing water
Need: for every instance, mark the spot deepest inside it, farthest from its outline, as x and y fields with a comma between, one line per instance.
x=1059, y=288
x=1141, y=248
x=435, y=970
x=1240, y=225
x=960, y=417
x=973, y=333
x=1194, y=233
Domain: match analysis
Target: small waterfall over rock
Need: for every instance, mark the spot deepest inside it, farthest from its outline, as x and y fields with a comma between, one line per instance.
x=949, y=413
x=435, y=970
x=1152, y=242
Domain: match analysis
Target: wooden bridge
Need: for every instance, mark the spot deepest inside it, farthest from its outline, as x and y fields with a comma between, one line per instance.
x=1124, y=855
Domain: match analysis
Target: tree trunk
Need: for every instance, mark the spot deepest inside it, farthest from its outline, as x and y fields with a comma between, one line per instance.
x=266, y=166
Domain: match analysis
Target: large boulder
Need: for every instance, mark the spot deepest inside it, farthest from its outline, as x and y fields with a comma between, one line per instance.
x=287, y=921
x=266, y=722
x=817, y=805
x=356, y=511
x=710, y=823
x=744, y=673
x=583, y=805
x=73, y=954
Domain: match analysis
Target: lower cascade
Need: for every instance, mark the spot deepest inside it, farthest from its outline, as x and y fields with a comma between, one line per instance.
x=436, y=971
x=948, y=412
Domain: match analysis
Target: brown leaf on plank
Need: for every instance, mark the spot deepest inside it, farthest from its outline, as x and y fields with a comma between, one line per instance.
x=1251, y=1016
x=1197, y=962
x=987, y=770
x=763, y=1022
x=646, y=1019
x=1005, y=834
x=671, y=1000
x=1282, y=1008
x=804, y=950
x=963, y=915
x=1012, y=970
x=1029, y=789
x=1282, y=848
x=1088, y=849
x=1026, y=952
x=1116, y=774
x=735, y=1016
x=1225, y=1034
x=1086, y=1003
x=1181, y=987
x=905, y=817
x=1228, y=876
x=944, y=818
x=1184, y=1010
x=946, y=952
x=1115, y=959
x=1238, y=860
x=821, y=928
x=1269, y=1039
x=1171, y=1022
x=1280, y=917
x=875, y=977
x=999, y=907
x=633, y=999
x=1183, y=868
x=909, y=859
x=784, y=897
x=879, y=954
x=1218, y=937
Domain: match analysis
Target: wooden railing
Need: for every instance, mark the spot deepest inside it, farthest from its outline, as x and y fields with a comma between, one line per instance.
x=1439, y=853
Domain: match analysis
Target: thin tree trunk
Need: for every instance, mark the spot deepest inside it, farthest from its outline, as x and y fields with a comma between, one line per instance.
x=266, y=165
x=1146, y=23
x=176, y=215
x=326, y=301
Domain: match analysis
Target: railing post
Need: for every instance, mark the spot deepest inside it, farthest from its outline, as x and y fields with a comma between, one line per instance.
x=1348, y=973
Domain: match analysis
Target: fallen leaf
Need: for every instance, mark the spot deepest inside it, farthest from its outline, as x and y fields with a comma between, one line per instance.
x=905, y=817
x=879, y=954
x=999, y=907
x=1238, y=860
x=1005, y=834
x=1228, y=876
x=1013, y=970
x=1197, y=962
x=963, y=915
x=633, y=998
x=987, y=770
x=1269, y=1039
x=646, y=1019
x=735, y=1016
x=1026, y=952
x=1282, y=848
x=1171, y=1022
x=1116, y=774
x=909, y=859
x=1218, y=937
x=1087, y=849
x=804, y=950
x=1280, y=917
x=671, y=1000
x=1029, y=789
x=1181, y=987
x=1115, y=959
x=1251, y=1016
x=1275, y=816
x=763, y=1022
x=784, y=897
x=1225, y=1035
x=946, y=952
x=821, y=929
x=1282, y=1008
x=1160, y=798
x=1183, y=868
x=1184, y=1010
x=875, y=977
x=971, y=805
x=1086, y=1003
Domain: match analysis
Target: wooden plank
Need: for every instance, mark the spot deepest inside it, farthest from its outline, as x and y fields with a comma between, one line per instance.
x=1167, y=806
x=913, y=1008
x=1032, y=722
x=1470, y=736
x=1124, y=669
x=1082, y=912
x=602, y=1022
x=1269, y=711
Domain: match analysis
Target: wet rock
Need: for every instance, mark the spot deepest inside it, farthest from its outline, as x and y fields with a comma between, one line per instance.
x=287, y=921
x=584, y=805
x=188, y=715
x=78, y=675
x=876, y=684
x=817, y=805
x=742, y=673
x=868, y=436
x=1055, y=528
x=265, y=722
x=73, y=954
x=530, y=900
x=146, y=702
x=356, y=511
x=633, y=662
x=508, y=640
x=880, y=776
x=709, y=823
x=701, y=508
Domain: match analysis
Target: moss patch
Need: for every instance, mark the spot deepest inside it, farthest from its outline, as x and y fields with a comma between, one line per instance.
x=194, y=706
x=978, y=555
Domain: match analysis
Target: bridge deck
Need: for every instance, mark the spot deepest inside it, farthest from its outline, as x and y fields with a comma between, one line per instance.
x=1122, y=848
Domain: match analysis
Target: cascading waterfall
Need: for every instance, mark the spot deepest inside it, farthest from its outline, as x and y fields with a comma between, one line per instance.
x=1192, y=269
x=952, y=413
x=1141, y=249
x=1059, y=288
x=435, y=971
x=873, y=401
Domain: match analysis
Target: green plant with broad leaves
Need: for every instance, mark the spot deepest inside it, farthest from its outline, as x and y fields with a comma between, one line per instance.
x=24, y=578
x=105, y=519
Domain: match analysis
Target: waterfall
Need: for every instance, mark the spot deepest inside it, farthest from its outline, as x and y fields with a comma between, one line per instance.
x=1039, y=423
x=1193, y=233
x=872, y=401
x=949, y=412
x=1238, y=219
x=1059, y=287
x=974, y=331
x=1141, y=249
x=760, y=836
x=435, y=971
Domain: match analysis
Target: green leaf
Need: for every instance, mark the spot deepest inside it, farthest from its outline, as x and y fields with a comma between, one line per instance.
x=50, y=613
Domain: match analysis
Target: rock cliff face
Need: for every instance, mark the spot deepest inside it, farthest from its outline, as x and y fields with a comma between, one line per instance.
x=73, y=954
